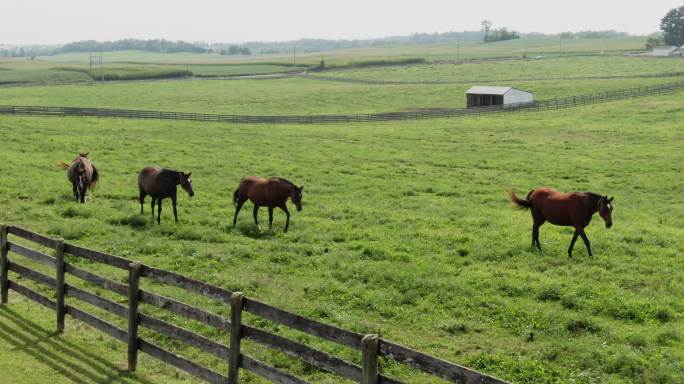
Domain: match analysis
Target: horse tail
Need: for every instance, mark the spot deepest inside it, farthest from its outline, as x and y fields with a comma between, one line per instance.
x=235, y=195
x=63, y=164
x=525, y=204
x=95, y=178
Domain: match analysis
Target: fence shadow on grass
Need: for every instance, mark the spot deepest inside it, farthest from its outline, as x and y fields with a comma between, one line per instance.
x=75, y=363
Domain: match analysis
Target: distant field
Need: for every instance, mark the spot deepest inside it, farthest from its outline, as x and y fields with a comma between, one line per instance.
x=593, y=66
x=24, y=71
x=285, y=96
x=452, y=51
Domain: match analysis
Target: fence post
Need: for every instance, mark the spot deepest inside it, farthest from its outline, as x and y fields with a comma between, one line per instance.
x=4, y=263
x=133, y=297
x=61, y=288
x=370, y=359
x=236, y=304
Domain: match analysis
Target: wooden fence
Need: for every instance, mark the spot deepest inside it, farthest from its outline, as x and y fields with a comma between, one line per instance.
x=371, y=346
x=557, y=103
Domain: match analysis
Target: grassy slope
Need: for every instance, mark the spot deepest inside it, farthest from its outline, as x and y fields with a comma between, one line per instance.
x=406, y=229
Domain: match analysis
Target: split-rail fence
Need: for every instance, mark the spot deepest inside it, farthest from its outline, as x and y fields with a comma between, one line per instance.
x=371, y=346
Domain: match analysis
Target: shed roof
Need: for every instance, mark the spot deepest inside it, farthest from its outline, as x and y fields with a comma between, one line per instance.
x=488, y=90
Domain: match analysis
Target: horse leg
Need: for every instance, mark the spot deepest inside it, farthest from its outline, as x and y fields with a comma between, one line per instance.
x=535, y=233
x=270, y=217
x=159, y=211
x=586, y=241
x=75, y=190
x=154, y=200
x=238, y=206
x=572, y=243
x=175, y=213
x=287, y=221
x=255, y=212
x=142, y=200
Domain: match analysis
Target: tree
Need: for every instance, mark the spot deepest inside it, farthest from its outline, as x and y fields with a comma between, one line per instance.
x=654, y=40
x=673, y=26
x=233, y=50
x=486, y=26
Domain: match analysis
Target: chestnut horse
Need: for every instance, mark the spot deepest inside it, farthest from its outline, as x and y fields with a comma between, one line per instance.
x=82, y=174
x=161, y=183
x=271, y=193
x=573, y=209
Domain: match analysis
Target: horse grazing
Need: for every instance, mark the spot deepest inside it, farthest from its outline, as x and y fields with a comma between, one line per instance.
x=161, y=183
x=567, y=209
x=82, y=174
x=271, y=193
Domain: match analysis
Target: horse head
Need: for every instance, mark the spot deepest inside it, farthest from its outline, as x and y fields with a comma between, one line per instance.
x=186, y=183
x=83, y=154
x=605, y=209
x=297, y=197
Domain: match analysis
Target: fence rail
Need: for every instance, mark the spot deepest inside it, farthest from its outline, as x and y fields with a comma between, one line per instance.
x=371, y=346
x=544, y=105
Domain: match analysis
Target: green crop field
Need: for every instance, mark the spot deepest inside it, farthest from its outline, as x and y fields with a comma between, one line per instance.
x=406, y=230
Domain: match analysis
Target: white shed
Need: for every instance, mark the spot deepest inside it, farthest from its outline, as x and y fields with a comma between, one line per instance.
x=665, y=51
x=482, y=96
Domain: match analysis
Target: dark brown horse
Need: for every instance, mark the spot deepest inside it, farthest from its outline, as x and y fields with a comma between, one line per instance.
x=161, y=183
x=573, y=209
x=82, y=174
x=270, y=193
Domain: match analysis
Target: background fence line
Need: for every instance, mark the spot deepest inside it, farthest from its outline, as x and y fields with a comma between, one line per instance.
x=371, y=346
x=544, y=105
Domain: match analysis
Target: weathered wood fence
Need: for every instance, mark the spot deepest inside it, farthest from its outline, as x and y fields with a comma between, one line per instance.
x=557, y=103
x=371, y=346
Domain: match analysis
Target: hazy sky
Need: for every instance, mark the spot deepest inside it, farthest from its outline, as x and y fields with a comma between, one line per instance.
x=51, y=21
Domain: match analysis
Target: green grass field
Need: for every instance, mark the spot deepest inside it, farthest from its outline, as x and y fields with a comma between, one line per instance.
x=406, y=230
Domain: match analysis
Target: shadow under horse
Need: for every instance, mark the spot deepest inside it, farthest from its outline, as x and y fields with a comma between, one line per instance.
x=573, y=209
x=270, y=193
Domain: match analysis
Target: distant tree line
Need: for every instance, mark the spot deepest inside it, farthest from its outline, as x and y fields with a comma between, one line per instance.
x=319, y=45
x=233, y=50
x=154, y=45
x=607, y=34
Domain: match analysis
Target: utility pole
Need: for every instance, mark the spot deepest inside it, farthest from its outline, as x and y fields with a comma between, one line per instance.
x=294, y=56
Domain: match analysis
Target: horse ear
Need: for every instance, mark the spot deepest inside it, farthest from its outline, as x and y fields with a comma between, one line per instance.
x=300, y=188
x=611, y=199
x=189, y=174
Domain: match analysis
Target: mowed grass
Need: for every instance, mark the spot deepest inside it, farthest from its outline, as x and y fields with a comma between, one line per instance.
x=406, y=230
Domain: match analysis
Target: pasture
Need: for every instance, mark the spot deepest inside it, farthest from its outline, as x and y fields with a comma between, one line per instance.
x=406, y=228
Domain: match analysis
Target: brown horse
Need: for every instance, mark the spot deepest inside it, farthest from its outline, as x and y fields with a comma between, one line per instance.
x=82, y=174
x=271, y=193
x=573, y=209
x=161, y=183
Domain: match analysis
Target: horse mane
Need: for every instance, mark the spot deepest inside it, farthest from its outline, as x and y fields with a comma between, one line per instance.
x=594, y=197
x=288, y=182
